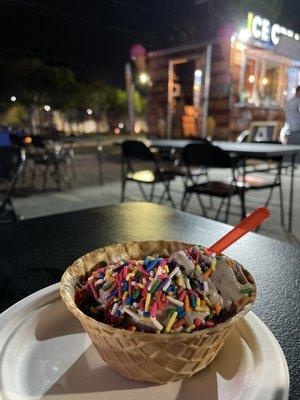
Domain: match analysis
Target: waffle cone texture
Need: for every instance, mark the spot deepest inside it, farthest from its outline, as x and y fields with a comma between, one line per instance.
x=158, y=358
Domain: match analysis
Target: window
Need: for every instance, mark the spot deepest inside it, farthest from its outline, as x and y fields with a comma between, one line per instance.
x=262, y=83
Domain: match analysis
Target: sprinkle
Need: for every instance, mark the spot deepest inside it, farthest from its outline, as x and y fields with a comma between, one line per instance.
x=179, y=323
x=152, y=265
x=182, y=295
x=187, y=283
x=192, y=301
x=158, y=299
x=175, y=270
x=197, y=322
x=141, y=269
x=213, y=265
x=175, y=301
x=146, y=314
x=209, y=324
x=153, y=310
x=130, y=275
x=167, y=284
x=94, y=291
x=140, y=285
x=148, y=300
x=125, y=294
x=98, y=282
x=136, y=294
x=181, y=282
x=187, y=303
x=131, y=313
x=154, y=286
x=191, y=328
x=205, y=287
x=208, y=301
x=171, y=322
x=198, y=269
x=142, y=304
x=181, y=312
x=218, y=308
x=114, y=309
x=206, y=274
x=107, y=286
x=156, y=323
x=128, y=300
x=144, y=281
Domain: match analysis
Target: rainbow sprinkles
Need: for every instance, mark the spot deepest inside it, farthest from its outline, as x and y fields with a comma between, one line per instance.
x=190, y=290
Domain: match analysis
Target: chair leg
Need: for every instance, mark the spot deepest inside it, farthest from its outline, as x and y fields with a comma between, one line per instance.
x=219, y=209
x=162, y=196
x=281, y=205
x=187, y=200
x=227, y=209
x=152, y=192
x=33, y=174
x=183, y=200
x=201, y=205
x=242, y=199
x=269, y=197
x=142, y=191
x=123, y=186
x=169, y=197
x=45, y=175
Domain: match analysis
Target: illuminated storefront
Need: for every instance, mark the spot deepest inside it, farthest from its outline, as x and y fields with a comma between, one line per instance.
x=252, y=74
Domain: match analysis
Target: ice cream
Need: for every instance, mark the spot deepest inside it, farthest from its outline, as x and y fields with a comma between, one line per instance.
x=188, y=291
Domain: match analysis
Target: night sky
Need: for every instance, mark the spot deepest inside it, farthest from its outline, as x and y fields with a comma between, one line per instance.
x=94, y=36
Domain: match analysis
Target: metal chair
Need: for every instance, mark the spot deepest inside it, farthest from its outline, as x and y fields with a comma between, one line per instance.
x=48, y=157
x=133, y=153
x=205, y=154
x=12, y=161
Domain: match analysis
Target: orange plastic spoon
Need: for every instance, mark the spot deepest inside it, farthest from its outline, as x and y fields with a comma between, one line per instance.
x=246, y=225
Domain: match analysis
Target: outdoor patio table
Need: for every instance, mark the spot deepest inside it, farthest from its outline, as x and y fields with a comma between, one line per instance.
x=246, y=151
x=35, y=252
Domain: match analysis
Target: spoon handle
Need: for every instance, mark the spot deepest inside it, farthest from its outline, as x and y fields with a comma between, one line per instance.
x=246, y=225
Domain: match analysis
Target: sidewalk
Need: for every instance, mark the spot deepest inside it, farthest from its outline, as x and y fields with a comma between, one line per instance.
x=88, y=193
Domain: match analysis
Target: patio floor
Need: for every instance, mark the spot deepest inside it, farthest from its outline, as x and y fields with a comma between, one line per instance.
x=87, y=193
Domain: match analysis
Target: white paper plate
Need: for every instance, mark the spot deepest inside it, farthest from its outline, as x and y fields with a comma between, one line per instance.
x=46, y=354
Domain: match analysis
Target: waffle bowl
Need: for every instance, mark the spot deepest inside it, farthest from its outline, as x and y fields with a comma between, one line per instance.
x=158, y=358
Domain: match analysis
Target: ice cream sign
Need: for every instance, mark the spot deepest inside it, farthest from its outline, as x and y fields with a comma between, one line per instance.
x=262, y=29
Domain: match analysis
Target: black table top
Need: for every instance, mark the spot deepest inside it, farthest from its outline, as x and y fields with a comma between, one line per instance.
x=245, y=149
x=35, y=252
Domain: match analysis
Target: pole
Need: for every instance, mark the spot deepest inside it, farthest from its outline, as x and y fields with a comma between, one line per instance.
x=170, y=99
x=130, y=93
x=206, y=90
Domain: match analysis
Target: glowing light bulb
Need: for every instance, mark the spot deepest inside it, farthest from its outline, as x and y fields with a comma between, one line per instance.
x=251, y=78
x=47, y=108
x=13, y=98
x=264, y=81
x=244, y=35
x=144, y=78
x=89, y=111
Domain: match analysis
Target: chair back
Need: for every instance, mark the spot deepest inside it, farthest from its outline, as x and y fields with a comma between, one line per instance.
x=205, y=154
x=136, y=150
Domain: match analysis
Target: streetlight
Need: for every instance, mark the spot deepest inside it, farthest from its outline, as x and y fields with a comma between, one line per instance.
x=13, y=98
x=144, y=78
x=47, y=108
x=89, y=111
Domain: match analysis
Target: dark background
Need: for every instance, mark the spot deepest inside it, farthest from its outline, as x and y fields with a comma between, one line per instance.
x=93, y=37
